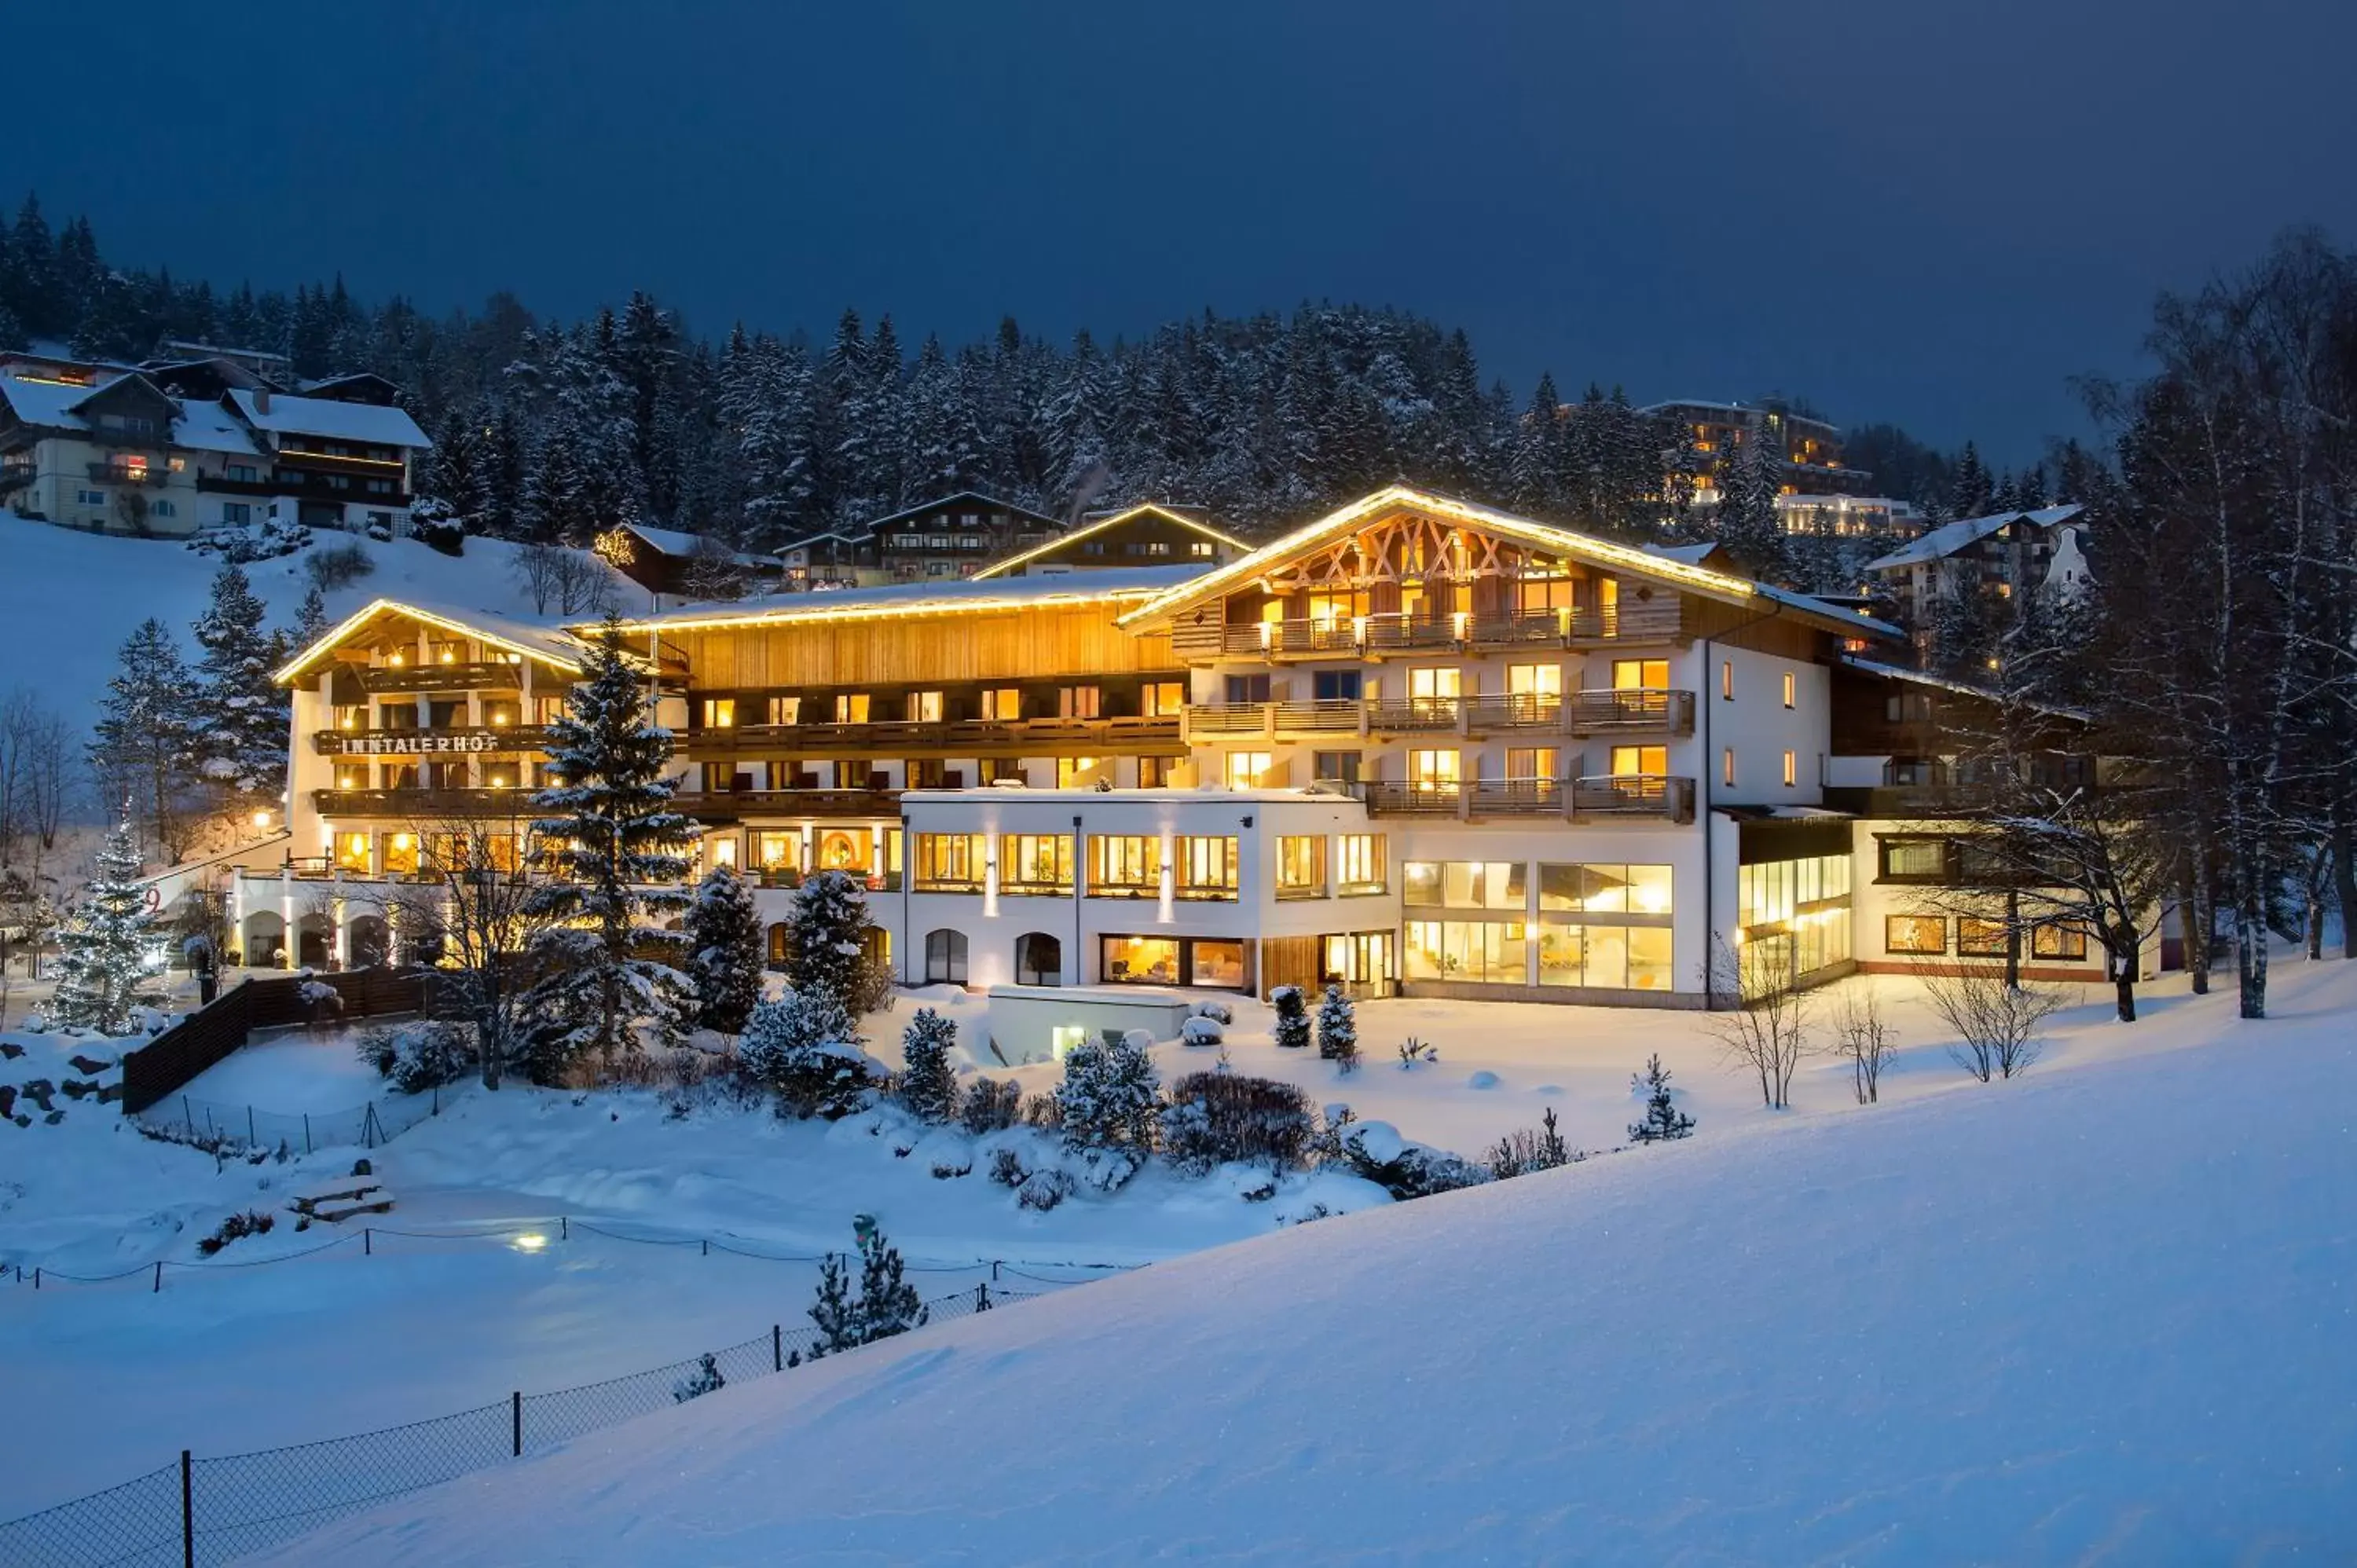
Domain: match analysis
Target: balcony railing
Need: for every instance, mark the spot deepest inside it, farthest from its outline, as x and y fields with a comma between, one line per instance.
x=463, y=676
x=469, y=740
x=732, y=804
x=425, y=802
x=123, y=474
x=1651, y=621
x=1578, y=714
x=1650, y=795
x=896, y=736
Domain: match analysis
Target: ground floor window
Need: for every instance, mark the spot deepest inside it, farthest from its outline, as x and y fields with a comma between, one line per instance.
x=2066, y=941
x=1610, y=957
x=1039, y=960
x=945, y=957
x=1358, y=957
x=1215, y=963
x=1980, y=939
x=1492, y=951
x=1914, y=933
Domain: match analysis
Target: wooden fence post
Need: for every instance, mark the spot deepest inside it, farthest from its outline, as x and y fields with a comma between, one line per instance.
x=519, y=1423
x=188, y=1511
x=777, y=1347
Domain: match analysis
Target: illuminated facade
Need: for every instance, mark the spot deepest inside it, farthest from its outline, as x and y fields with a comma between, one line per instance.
x=1417, y=744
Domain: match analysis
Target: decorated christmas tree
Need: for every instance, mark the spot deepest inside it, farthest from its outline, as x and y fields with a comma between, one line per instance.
x=109, y=958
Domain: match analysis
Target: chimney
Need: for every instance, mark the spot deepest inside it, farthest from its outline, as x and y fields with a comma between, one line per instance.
x=261, y=400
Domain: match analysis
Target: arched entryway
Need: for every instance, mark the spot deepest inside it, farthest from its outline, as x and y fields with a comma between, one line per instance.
x=369, y=941
x=1039, y=960
x=264, y=940
x=315, y=941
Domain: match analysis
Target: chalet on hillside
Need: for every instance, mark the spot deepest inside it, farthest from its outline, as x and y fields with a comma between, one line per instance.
x=684, y=566
x=947, y=538
x=1147, y=535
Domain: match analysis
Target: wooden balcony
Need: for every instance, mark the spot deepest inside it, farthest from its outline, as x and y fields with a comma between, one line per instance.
x=463, y=676
x=961, y=737
x=1651, y=796
x=424, y=804
x=1606, y=712
x=736, y=805
x=1375, y=637
x=466, y=741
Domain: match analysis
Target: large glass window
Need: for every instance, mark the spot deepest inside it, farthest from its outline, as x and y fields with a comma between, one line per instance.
x=1206, y=867
x=1463, y=884
x=1038, y=864
x=1358, y=863
x=946, y=863
x=1914, y=860
x=1301, y=865
x=1141, y=961
x=1215, y=963
x=1248, y=770
x=1124, y=865
x=1980, y=939
x=2066, y=941
x=1487, y=951
x=1605, y=957
x=1606, y=888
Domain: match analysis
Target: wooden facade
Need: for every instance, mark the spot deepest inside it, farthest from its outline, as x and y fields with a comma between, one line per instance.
x=918, y=649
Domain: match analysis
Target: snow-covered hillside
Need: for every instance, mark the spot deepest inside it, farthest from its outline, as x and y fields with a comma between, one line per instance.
x=2100, y=1314
x=70, y=598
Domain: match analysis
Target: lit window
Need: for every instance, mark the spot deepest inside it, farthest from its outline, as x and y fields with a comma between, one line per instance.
x=1790, y=680
x=1791, y=770
x=1727, y=765
x=1301, y=865
x=719, y=713
x=924, y=707
x=1247, y=769
x=1726, y=680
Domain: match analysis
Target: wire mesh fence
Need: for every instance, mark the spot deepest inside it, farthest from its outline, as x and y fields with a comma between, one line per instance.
x=201, y=1512
x=232, y=1129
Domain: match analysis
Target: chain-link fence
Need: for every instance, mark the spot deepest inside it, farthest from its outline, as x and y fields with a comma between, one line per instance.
x=210, y=1511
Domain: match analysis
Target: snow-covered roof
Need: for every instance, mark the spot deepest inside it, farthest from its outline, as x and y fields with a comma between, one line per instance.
x=546, y=641
x=1687, y=554
x=960, y=498
x=45, y=402
x=964, y=595
x=1951, y=537
x=287, y=415
x=1956, y=688
x=1216, y=536
x=680, y=543
x=206, y=426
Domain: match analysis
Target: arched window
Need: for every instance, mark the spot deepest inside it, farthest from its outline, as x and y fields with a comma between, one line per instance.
x=945, y=957
x=1039, y=960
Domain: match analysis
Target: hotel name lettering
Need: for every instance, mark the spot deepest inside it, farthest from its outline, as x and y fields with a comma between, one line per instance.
x=415, y=743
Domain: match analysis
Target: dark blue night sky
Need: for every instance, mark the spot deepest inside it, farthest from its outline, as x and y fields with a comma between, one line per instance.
x=1930, y=213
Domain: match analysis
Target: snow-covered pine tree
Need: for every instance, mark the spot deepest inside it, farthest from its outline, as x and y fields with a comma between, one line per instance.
x=724, y=947
x=1107, y=1106
x=311, y=621
x=887, y=1303
x=109, y=958
x=240, y=713
x=929, y=1086
x=1292, y=1027
x=145, y=746
x=615, y=846
x=1748, y=525
x=1972, y=492
x=1338, y=1026
x=805, y=1050
x=1663, y=1119
x=827, y=932
x=834, y=1313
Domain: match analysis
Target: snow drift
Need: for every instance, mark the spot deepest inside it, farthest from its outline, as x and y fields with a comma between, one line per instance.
x=2099, y=1313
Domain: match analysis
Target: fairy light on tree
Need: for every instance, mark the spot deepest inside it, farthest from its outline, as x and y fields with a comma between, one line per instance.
x=111, y=957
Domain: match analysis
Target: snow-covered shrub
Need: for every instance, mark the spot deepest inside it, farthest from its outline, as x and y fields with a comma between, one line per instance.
x=990, y=1106
x=1414, y=1053
x=1523, y=1151
x=252, y=1222
x=827, y=928
x=1376, y=1151
x=1338, y=1028
x=1292, y=1018
x=1218, y=1012
x=338, y=566
x=705, y=1379
x=1007, y=1167
x=1044, y=1189
x=1217, y=1117
x=1107, y=1106
x=928, y=1084
x=1662, y=1120
x=1200, y=1032
x=1138, y=1040
x=802, y=1048
x=435, y=524
x=417, y=1056
x=946, y=1153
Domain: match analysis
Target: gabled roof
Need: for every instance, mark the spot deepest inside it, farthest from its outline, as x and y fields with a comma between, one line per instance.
x=1954, y=688
x=974, y=498
x=682, y=545
x=1000, y=568
x=360, y=386
x=1621, y=558
x=1951, y=537
x=967, y=596
x=287, y=415
x=546, y=644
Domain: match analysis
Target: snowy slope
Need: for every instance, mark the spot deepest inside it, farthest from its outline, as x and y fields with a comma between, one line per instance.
x=2100, y=1314
x=70, y=598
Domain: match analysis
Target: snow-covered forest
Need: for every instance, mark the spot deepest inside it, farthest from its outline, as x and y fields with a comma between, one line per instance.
x=546, y=431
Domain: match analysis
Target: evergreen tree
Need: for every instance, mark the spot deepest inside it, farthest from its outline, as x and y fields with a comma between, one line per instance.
x=311, y=622
x=1292, y=1027
x=109, y=957
x=724, y=943
x=887, y=1303
x=928, y=1082
x=1107, y=1106
x=240, y=713
x=1971, y=493
x=1663, y=1119
x=1748, y=525
x=144, y=749
x=834, y=1313
x=615, y=849
x=1338, y=1026
x=828, y=933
